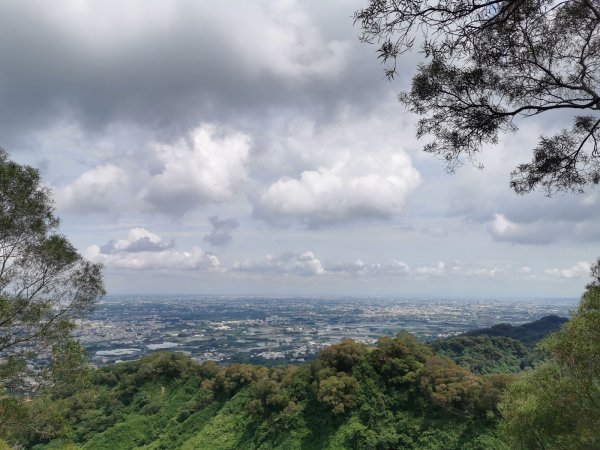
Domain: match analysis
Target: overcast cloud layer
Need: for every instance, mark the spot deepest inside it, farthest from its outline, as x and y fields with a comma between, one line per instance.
x=255, y=147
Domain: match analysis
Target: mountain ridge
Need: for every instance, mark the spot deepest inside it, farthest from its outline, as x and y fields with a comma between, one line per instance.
x=399, y=393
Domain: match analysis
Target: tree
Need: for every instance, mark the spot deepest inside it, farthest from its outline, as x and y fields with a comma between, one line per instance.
x=338, y=392
x=44, y=282
x=488, y=63
x=557, y=406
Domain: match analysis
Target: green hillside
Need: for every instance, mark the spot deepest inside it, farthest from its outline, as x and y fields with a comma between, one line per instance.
x=501, y=348
x=398, y=394
x=528, y=333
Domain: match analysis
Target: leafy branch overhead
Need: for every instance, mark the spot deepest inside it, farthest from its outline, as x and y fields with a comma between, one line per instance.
x=488, y=63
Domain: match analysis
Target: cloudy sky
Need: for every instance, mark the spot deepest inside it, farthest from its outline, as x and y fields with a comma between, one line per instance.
x=255, y=147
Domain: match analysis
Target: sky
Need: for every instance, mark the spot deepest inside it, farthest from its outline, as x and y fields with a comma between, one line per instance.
x=254, y=147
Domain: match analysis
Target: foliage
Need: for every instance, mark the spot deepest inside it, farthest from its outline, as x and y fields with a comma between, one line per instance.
x=44, y=285
x=338, y=392
x=398, y=394
x=501, y=348
x=528, y=333
x=69, y=370
x=485, y=354
x=450, y=387
x=488, y=63
x=558, y=405
x=44, y=282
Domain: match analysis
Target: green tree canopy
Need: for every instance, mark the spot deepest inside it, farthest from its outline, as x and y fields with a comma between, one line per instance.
x=557, y=406
x=44, y=282
x=489, y=62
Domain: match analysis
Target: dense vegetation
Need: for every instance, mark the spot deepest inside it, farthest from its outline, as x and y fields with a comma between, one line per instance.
x=528, y=333
x=501, y=348
x=398, y=394
x=557, y=406
x=45, y=284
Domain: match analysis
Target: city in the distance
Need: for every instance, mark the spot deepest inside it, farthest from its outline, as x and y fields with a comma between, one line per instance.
x=275, y=330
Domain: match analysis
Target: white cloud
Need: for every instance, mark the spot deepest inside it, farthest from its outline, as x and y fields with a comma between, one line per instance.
x=209, y=167
x=458, y=269
x=94, y=190
x=502, y=226
x=195, y=259
x=434, y=270
x=579, y=270
x=143, y=250
x=205, y=166
x=305, y=264
x=360, y=268
x=373, y=185
x=138, y=240
x=308, y=264
x=502, y=229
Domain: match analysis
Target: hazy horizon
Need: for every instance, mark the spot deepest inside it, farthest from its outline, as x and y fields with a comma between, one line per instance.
x=337, y=297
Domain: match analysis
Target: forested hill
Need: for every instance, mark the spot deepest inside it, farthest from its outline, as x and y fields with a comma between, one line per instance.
x=397, y=394
x=528, y=333
x=500, y=348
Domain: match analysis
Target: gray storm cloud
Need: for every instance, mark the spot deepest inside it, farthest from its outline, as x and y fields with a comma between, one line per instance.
x=175, y=65
x=221, y=230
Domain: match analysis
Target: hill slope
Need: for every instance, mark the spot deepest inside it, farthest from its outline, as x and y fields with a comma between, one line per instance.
x=398, y=394
x=528, y=333
x=500, y=348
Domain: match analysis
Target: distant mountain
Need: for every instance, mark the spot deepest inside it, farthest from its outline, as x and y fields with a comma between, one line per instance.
x=528, y=333
x=500, y=348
